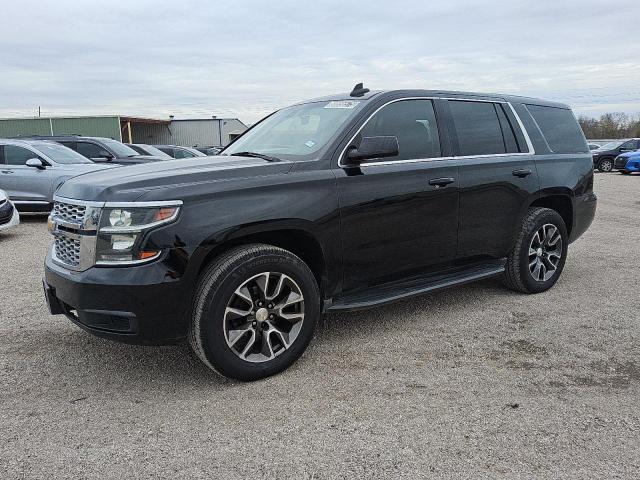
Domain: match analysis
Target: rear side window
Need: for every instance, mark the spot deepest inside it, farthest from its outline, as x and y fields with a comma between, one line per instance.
x=479, y=128
x=560, y=129
x=413, y=122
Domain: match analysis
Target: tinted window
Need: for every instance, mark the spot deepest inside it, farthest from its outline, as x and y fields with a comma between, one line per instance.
x=478, y=128
x=91, y=150
x=508, y=135
x=630, y=145
x=59, y=153
x=168, y=151
x=17, y=155
x=560, y=129
x=413, y=122
x=180, y=153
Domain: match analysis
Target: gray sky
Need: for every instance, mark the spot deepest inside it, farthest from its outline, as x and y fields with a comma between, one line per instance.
x=248, y=58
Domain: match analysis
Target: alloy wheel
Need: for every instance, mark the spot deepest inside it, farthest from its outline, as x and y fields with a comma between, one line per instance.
x=264, y=316
x=606, y=165
x=545, y=252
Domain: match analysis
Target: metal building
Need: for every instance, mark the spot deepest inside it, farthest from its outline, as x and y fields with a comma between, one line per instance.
x=200, y=132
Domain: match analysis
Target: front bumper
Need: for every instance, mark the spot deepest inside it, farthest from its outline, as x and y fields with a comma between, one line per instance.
x=9, y=216
x=620, y=163
x=142, y=304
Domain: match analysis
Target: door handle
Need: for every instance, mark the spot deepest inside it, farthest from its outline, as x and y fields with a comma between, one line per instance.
x=7, y=171
x=441, y=182
x=522, y=172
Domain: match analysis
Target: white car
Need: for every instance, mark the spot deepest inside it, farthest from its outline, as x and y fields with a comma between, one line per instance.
x=9, y=216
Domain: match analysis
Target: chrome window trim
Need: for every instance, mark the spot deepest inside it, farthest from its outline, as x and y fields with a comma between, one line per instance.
x=433, y=159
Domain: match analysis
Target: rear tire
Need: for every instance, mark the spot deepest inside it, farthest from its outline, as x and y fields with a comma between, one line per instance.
x=255, y=311
x=539, y=254
x=605, y=165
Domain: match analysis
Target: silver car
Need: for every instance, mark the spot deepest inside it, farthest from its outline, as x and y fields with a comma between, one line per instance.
x=31, y=170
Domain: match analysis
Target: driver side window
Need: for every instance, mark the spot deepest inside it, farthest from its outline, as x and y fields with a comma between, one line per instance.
x=413, y=122
x=17, y=155
x=91, y=150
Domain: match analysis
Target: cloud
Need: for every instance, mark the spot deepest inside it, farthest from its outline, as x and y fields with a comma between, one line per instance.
x=245, y=59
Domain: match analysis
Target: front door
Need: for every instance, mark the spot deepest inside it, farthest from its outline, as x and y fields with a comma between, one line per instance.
x=23, y=184
x=399, y=215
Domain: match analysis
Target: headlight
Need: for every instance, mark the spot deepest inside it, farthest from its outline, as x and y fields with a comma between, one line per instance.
x=122, y=228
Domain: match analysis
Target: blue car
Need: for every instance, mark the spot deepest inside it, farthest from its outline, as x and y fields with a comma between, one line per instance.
x=628, y=162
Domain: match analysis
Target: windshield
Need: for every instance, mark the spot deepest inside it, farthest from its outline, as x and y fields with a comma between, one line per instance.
x=301, y=132
x=196, y=152
x=119, y=149
x=611, y=145
x=59, y=153
x=151, y=150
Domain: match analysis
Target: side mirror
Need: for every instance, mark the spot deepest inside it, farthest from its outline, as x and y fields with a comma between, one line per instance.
x=35, y=163
x=374, y=147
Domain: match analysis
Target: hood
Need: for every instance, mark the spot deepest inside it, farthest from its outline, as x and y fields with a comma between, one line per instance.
x=166, y=179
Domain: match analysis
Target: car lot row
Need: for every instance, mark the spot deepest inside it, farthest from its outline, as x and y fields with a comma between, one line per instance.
x=622, y=155
x=32, y=168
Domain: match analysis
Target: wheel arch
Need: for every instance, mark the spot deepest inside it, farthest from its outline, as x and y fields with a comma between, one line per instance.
x=561, y=203
x=297, y=239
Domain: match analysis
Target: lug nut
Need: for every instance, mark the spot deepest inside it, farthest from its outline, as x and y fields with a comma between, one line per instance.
x=271, y=305
x=259, y=304
x=271, y=316
x=254, y=324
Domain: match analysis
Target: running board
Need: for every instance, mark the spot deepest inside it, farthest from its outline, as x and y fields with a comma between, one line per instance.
x=391, y=292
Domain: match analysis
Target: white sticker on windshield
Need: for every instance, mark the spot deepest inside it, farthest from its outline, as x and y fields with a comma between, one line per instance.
x=310, y=143
x=342, y=104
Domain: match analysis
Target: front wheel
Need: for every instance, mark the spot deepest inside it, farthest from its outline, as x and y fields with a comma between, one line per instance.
x=537, y=259
x=256, y=308
x=605, y=165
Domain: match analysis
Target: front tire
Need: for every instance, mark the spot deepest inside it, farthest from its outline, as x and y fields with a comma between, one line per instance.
x=539, y=254
x=605, y=165
x=255, y=312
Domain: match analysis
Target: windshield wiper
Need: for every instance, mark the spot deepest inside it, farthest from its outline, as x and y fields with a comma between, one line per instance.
x=268, y=158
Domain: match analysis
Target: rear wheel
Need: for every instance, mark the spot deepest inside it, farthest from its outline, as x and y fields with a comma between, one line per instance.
x=255, y=312
x=605, y=165
x=537, y=259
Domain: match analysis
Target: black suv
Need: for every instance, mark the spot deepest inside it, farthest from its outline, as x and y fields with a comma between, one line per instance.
x=339, y=203
x=603, y=157
x=100, y=149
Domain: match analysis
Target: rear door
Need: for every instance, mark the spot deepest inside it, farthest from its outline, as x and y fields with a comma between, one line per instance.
x=395, y=219
x=25, y=185
x=498, y=176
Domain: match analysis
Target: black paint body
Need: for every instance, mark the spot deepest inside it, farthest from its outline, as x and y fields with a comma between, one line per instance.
x=357, y=227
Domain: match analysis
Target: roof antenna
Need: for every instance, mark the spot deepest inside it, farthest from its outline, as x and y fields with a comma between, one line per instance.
x=358, y=90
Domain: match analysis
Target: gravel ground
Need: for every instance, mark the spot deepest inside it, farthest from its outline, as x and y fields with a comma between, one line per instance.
x=472, y=382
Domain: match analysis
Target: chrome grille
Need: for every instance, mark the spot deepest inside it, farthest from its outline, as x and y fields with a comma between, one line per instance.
x=67, y=250
x=68, y=212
